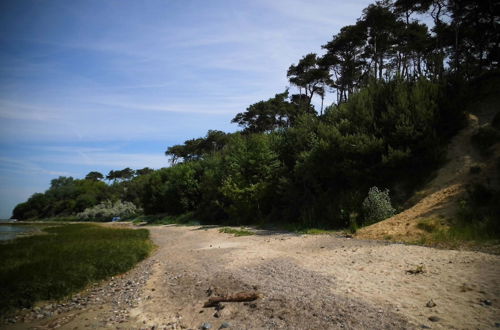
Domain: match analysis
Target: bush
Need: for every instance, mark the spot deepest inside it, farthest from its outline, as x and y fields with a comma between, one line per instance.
x=496, y=121
x=485, y=138
x=479, y=213
x=377, y=206
x=107, y=210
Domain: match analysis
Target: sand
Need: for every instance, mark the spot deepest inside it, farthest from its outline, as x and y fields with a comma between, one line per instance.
x=304, y=282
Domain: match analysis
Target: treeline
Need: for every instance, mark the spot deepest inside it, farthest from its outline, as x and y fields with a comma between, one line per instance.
x=400, y=90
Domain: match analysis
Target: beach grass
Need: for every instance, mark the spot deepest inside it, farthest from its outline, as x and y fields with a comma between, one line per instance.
x=236, y=232
x=64, y=260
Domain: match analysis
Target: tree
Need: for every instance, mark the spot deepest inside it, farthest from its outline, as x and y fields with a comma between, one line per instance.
x=195, y=149
x=476, y=36
x=266, y=116
x=309, y=76
x=94, y=176
x=344, y=59
x=120, y=175
x=381, y=28
x=249, y=166
x=144, y=171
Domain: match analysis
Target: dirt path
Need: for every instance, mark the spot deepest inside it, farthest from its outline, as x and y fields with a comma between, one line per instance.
x=305, y=282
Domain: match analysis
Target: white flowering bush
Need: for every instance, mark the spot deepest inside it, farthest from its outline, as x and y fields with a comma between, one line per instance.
x=107, y=210
x=377, y=206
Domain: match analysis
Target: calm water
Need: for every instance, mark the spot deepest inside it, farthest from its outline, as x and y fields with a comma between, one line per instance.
x=8, y=231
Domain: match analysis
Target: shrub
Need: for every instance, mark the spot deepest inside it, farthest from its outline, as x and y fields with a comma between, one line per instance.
x=485, y=138
x=496, y=121
x=377, y=206
x=105, y=211
x=475, y=170
x=479, y=213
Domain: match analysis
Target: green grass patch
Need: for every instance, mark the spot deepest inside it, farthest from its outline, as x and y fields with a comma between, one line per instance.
x=66, y=260
x=430, y=225
x=236, y=232
x=303, y=230
x=457, y=233
x=317, y=231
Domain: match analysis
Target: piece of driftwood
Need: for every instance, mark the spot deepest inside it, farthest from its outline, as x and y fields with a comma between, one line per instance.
x=241, y=296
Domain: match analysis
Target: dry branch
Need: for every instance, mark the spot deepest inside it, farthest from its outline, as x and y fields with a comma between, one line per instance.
x=241, y=296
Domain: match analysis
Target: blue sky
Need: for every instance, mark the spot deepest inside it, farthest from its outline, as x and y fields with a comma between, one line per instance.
x=101, y=85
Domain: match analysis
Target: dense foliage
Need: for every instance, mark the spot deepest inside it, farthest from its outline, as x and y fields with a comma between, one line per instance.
x=377, y=205
x=401, y=87
x=108, y=210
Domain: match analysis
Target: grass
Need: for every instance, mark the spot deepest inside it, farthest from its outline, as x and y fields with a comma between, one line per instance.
x=317, y=231
x=303, y=230
x=186, y=219
x=456, y=234
x=430, y=225
x=65, y=261
x=236, y=232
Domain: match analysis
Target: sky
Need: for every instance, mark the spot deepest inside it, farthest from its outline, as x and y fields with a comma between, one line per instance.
x=106, y=84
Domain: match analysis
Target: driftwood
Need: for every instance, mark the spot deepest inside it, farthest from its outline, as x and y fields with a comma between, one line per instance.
x=241, y=296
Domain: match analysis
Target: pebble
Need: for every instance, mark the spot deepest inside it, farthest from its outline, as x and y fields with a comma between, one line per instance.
x=122, y=292
x=434, y=318
x=430, y=304
x=206, y=325
x=225, y=325
x=486, y=302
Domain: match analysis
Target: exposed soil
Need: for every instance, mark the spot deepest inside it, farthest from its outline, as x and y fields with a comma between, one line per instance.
x=304, y=282
x=440, y=198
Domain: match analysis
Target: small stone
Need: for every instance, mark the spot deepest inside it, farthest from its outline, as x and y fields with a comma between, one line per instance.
x=497, y=324
x=225, y=325
x=486, y=302
x=423, y=326
x=430, y=304
x=216, y=314
x=434, y=318
x=206, y=326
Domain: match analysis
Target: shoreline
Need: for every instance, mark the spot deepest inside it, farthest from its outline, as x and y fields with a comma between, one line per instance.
x=303, y=281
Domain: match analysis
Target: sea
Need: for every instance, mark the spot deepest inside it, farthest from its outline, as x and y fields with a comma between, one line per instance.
x=11, y=230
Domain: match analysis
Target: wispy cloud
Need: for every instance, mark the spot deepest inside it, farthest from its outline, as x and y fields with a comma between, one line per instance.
x=13, y=110
x=103, y=158
x=13, y=165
